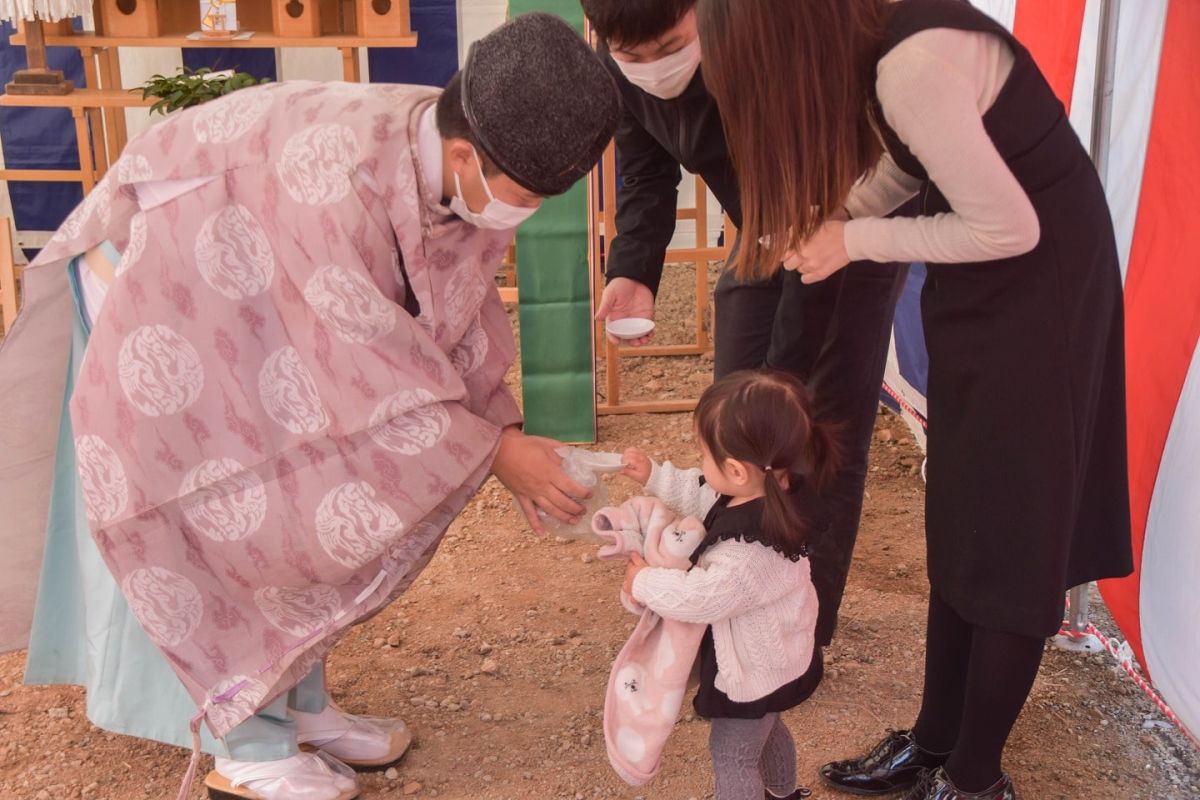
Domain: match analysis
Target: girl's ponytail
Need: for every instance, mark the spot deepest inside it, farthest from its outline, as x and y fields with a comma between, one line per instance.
x=781, y=521
x=825, y=453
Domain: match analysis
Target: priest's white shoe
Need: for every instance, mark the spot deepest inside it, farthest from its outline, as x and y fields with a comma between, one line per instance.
x=306, y=776
x=362, y=742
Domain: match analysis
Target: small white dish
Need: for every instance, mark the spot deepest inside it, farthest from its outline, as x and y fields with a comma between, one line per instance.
x=630, y=327
x=600, y=463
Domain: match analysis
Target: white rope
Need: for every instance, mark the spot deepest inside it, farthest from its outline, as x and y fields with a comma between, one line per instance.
x=48, y=10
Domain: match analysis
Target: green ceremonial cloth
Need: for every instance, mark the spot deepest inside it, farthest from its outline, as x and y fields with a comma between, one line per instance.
x=558, y=381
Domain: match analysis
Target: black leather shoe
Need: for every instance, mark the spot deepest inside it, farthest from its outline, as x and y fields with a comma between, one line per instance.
x=895, y=764
x=936, y=785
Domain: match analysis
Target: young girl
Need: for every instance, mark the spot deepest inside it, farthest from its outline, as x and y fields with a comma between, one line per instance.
x=763, y=458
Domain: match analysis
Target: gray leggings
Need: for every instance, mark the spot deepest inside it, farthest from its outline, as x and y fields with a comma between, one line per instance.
x=750, y=755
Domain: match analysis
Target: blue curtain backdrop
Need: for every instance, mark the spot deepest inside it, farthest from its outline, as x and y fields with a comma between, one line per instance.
x=435, y=58
x=39, y=138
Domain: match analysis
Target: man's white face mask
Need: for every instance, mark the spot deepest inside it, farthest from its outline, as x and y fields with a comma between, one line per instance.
x=497, y=215
x=667, y=77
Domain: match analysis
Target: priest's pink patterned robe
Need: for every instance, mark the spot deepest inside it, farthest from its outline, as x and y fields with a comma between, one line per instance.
x=270, y=447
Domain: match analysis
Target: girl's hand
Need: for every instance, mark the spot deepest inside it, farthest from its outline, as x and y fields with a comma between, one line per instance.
x=637, y=465
x=530, y=469
x=820, y=256
x=636, y=565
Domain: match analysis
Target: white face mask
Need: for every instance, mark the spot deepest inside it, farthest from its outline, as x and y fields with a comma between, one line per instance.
x=497, y=215
x=667, y=77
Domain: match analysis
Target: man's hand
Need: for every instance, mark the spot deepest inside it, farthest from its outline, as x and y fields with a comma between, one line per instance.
x=623, y=298
x=530, y=469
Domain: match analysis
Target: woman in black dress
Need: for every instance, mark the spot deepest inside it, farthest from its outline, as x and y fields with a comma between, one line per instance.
x=856, y=106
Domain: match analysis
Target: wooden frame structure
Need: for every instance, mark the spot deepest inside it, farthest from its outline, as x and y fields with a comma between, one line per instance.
x=508, y=272
x=87, y=106
x=9, y=276
x=604, y=227
x=99, y=110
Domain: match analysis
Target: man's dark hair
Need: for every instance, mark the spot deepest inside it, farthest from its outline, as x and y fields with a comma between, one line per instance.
x=627, y=23
x=452, y=121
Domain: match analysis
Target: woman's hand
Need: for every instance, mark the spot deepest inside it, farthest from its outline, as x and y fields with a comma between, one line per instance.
x=530, y=469
x=820, y=256
x=636, y=465
x=636, y=565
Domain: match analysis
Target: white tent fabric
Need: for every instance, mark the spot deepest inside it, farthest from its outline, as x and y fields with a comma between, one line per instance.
x=1170, y=600
x=49, y=10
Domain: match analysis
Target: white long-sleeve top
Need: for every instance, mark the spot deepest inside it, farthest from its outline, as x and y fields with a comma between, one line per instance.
x=934, y=88
x=761, y=605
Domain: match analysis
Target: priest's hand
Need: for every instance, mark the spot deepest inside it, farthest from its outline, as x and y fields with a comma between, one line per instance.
x=530, y=469
x=623, y=298
x=820, y=256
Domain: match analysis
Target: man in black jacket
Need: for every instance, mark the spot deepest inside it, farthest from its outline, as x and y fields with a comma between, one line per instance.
x=833, y=334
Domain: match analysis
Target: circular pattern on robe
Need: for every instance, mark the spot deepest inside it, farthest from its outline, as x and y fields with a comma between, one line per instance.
x=303, y=665
x=98, y=202
x=223, y=500
x=316, y=164
x=471, y=352
x=289, y=393
x=102, y=478
x=231, y=117
x=224, y=715
x=298, y=611
x=233, y=253
x=464, y=293
x=167, y=604
x=401, y=555
x=138, y=235
x=350, y=305
x=101, y=197
x=631, y=744
x=160, y=371
x=409, y=422
x=353, y=526
x=134, y=168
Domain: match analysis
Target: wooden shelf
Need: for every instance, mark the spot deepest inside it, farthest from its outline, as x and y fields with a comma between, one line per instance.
x=79, y=99
x=100, y=130
x=264, y=40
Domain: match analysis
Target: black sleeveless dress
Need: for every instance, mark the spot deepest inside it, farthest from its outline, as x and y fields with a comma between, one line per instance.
x=1027, y=482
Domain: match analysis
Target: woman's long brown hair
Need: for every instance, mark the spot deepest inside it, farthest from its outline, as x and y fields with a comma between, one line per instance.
x=794, y=80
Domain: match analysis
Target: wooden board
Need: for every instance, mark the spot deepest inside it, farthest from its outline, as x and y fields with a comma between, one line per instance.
x=257, y=40
x=8, y=275
x=80, y=98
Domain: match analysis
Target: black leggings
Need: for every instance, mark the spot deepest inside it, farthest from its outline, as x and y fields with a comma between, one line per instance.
x=976, y=682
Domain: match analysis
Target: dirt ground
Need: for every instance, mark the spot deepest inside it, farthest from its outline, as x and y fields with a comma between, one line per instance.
x=499, y=655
